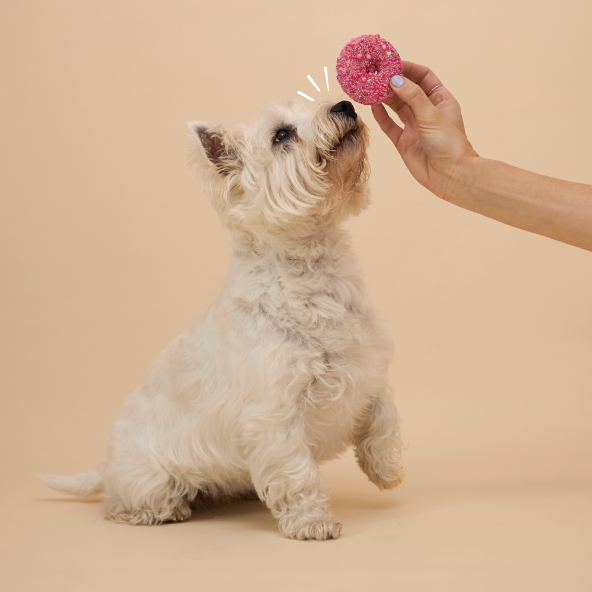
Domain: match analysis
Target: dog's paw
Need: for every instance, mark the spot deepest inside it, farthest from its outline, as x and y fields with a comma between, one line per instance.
x=383, y=484
x=382, y=468
x=320, y=530
x=387, y=478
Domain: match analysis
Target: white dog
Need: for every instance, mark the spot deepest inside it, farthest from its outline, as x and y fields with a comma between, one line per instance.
x=289, y=365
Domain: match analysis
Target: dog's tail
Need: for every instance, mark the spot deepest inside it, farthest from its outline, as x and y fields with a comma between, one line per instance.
x=81, y=484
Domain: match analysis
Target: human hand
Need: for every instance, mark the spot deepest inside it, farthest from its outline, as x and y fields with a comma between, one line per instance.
x=433, y=144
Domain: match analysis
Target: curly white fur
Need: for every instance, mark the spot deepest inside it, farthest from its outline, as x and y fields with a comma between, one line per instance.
x=288, y=367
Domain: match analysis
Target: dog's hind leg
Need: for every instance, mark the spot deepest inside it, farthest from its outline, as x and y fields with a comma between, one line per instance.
x=378, y=442
x=140, y=494
x=287, y=479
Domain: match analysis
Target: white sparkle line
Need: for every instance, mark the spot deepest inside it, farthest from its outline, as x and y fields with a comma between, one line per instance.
x=327, y=77
x=305, y=96
x=314, y=83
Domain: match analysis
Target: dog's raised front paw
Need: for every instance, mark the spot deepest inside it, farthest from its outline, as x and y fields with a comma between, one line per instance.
x=383, y=484
x=385, y=473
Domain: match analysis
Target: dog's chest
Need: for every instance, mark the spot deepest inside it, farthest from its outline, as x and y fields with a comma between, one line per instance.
x=318, y=319
x=312, y=343
x=325, y=302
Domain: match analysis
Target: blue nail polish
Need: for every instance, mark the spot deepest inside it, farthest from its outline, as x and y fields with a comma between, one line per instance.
x=397, y=81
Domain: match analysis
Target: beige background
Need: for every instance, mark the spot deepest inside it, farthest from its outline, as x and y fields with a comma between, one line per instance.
x=109, y=249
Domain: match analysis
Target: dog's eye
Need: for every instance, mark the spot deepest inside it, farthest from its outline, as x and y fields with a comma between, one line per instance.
x=281, y=135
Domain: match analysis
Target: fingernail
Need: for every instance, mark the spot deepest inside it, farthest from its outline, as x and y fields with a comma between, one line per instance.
x=397, y=81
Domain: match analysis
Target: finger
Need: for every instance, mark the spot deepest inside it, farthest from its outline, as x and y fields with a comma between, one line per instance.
x=387, y=125
x=427, y=81
x=394, y=102
x=410, y=93
x=421, y=75
x=400, y=108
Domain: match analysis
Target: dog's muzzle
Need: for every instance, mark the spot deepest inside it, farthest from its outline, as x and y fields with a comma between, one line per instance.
x=344, y=108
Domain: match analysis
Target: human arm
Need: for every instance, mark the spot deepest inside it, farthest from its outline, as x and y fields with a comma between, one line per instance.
x=435, y=149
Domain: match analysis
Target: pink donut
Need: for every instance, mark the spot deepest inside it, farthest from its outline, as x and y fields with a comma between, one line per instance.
x=364, y=68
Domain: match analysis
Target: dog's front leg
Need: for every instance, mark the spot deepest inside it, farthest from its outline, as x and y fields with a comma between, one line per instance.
x=378, y=442
x=287, y=479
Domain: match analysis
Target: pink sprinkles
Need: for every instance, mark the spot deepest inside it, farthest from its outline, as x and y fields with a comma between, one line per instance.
x=364, y=68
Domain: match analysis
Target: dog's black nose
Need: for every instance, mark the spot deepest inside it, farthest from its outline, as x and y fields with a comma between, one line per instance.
x=346, y=108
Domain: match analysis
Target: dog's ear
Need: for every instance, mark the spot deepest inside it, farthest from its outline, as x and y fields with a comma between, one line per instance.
x=211, y=148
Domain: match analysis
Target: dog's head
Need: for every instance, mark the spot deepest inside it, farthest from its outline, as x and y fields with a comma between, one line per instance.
x=289, y=172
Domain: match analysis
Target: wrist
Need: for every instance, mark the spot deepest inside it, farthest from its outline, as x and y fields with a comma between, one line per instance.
x=460, y=176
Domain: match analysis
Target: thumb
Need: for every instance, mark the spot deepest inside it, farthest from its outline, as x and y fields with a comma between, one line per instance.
x=411, y=93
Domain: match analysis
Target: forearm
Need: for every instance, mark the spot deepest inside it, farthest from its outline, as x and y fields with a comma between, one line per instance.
x=560, y=210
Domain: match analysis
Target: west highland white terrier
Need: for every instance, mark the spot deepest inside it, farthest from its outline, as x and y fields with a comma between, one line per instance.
x=289, y=365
